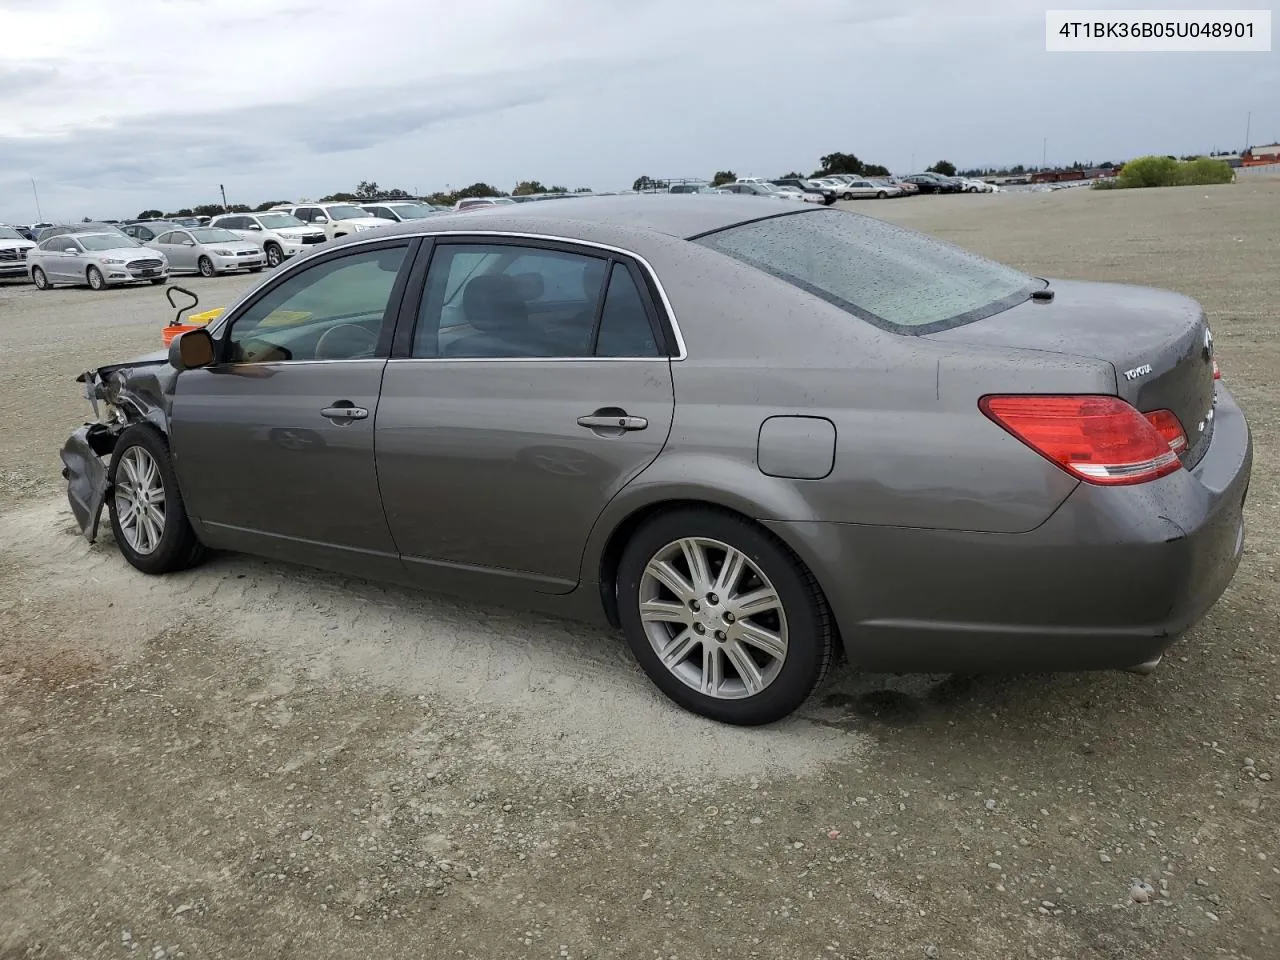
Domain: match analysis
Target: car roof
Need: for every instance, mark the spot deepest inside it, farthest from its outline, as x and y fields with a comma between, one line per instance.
x=680, y=215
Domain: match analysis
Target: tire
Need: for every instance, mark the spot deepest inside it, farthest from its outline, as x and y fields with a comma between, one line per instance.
x=205, y=266
x=40, y=280
x=846, y=196
x=176, y=547
x=95, y=278
x=275, y=255
x=880, y=195
x=798, y=625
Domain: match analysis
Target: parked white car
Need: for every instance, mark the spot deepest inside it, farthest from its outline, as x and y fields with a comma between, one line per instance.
x=279, y=235
x=972, y=185
x=480, y=203
x=401, y=210
x=99, y=259
x=795, y=193
x=336, y=219
x=13, y=253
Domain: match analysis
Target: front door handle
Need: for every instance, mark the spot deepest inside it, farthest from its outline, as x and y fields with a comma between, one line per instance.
x=607, y=422
x=344, y=411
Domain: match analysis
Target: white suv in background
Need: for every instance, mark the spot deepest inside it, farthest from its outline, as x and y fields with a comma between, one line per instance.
x=280, y=235
x=401, y=210
x=13, y=253
x=336, y=219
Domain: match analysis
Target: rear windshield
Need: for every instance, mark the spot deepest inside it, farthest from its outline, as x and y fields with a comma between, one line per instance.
x=896, y=278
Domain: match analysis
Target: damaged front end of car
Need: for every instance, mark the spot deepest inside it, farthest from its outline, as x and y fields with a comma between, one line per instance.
x=120, y=395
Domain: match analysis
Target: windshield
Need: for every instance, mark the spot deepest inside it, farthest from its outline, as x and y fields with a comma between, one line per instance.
x=278, y=221
x=105, y=241
x=411, y=211
x=8, y=233
x=214, y=235
x=893, y=277
x=343, y=211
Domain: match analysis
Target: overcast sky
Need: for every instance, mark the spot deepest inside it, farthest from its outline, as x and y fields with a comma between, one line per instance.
x=114, y=107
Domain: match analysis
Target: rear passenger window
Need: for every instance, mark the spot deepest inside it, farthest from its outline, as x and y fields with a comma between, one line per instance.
x=625, y=330
x=504, y=301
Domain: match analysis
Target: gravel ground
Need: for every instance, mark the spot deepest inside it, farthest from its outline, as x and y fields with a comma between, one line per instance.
x=252, y=760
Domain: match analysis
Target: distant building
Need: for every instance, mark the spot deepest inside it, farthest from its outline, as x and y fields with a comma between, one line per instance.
x=1257, y=156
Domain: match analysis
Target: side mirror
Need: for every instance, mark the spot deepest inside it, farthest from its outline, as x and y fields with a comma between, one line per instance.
x=321, y=219
x=70, y=250
x=255, y=226
x=191, y=350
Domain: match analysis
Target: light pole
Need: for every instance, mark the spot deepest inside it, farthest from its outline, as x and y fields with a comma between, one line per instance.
x=39, y=215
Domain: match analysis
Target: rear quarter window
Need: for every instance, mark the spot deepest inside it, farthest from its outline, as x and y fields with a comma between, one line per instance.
x=895, y=278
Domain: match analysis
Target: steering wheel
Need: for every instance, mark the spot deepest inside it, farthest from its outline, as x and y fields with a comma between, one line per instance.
x=346, y=341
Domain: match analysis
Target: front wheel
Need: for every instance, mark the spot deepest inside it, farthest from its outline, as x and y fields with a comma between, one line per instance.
x=206, y=267
x=40, y=280
x=148, y=517
x=275, y=256
x=96, y=281
x=723, y=618
x=846, y=196
x=880, y=194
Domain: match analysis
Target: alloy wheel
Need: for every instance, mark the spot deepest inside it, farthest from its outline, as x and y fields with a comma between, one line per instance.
x=714, y=619
x=95, y=279
x=140, y=500
x=206, y=267
x=273, y=255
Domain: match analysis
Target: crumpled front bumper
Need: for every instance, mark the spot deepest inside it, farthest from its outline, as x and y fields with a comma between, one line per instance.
x=85, y=470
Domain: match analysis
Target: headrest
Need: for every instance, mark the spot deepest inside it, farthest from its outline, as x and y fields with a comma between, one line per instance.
x=493, y=303
x=531, y=285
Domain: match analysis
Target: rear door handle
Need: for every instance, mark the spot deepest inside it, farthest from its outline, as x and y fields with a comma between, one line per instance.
x=605, y=422
x=344, y=411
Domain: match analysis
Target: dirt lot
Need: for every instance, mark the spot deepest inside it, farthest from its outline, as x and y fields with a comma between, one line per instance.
x=258, y=761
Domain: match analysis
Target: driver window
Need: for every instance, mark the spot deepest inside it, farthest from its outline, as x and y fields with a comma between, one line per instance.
x=333, y=310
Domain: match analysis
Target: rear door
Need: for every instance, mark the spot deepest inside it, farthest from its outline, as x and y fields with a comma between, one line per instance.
x=273, y=444
x=532, y=384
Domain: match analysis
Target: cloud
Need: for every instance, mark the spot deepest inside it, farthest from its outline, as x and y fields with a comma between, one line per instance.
x=113, y=114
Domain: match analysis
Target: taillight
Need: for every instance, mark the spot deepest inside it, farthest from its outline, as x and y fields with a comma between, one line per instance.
x=1098, y=439
x=1217, y=373
x=1169, y=427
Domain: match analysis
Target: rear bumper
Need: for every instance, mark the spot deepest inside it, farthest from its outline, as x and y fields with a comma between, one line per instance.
x=1108, y=582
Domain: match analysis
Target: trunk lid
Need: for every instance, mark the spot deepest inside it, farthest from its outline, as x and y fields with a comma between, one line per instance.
x=1157, y=341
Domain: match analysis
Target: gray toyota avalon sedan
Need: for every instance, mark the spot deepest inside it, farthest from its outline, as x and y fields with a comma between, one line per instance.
x=748, y=436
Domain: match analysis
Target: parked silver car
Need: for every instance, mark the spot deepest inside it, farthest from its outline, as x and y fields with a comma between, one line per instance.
x=99, y=259
x=280, y=235
x=208, y=251
x=744, y=433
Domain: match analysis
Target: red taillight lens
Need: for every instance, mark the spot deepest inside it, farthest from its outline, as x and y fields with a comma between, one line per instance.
x=1217, y=373
x=1099, y=439
x=1167, y=426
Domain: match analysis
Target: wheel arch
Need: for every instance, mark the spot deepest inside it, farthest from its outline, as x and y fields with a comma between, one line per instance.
x=766, y=498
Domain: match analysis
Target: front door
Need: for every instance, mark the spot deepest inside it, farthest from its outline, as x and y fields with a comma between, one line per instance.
x=273, y=444
x=537, y=384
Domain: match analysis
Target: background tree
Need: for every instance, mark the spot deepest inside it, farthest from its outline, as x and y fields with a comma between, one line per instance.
x=722, y=177
x=840, y=163
x=150, y=215
x=268, y=205
x=640, y=184
x=793, y=175
x=526, y=187
x=558, y=189
x=340, y=197
x=944, y=167
x=875, y=170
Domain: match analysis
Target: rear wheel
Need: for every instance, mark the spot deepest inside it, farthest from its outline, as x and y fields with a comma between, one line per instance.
x=148, y=517
x=40, y=280
x=95, y=278
x=275, y=256
x=723, y=618
x=880, y=194
x=846, y=196
x=206, y=267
